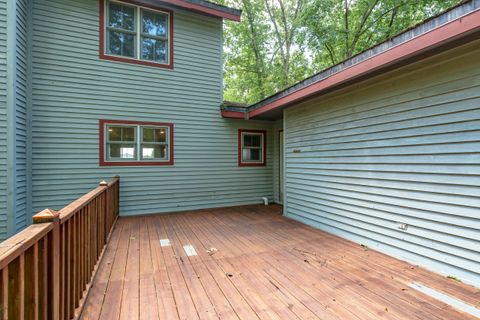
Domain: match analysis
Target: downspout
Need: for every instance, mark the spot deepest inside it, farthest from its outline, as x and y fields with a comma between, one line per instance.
x=10, y=110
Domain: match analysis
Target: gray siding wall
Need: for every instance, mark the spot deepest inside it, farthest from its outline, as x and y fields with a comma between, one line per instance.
x=3, y=119
x=22, y=219
x=73, y=89
x=403, y=148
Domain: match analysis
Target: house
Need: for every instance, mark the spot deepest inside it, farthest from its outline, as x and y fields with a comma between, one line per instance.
x=382, y=149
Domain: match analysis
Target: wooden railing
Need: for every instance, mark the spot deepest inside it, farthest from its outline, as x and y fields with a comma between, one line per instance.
x=46, y=270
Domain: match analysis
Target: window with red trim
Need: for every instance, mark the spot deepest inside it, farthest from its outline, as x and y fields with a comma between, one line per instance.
x=134, y=33
x=124, y=143
x=252, y=147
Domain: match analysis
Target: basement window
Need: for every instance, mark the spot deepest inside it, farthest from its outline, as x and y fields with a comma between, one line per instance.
x=124, y=143
x=134, y=33
x=251, y=147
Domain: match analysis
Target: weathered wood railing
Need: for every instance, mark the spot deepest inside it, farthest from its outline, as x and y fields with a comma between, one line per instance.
x=46, y=269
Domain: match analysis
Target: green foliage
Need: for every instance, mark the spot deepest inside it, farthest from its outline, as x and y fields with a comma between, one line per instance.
x=280, y=42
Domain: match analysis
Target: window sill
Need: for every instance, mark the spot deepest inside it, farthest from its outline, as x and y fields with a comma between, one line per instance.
x=136, y=61
x=246, y=164
x=135, y=163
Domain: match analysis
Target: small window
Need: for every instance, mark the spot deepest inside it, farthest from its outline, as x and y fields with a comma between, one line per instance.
x=135, y=143
x=133, y=33
x=252, y=147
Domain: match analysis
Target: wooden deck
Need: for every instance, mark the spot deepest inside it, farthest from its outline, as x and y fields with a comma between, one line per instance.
x=253, y=263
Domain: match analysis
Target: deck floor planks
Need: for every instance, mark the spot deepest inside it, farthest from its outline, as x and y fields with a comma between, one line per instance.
x=183, y=298
x=147, y=291
x=130, y=307
x=224, y=283
x=270, y=278
x=221, y=304
x=100, y=283
x=256, y=286
x=428, y=308
x=345, y=275
x=164, y=294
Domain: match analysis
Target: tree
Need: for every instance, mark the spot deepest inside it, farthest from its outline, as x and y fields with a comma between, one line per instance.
x=280, y=42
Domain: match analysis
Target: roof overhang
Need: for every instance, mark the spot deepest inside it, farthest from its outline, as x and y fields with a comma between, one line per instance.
x=201, y=6
x=461, y=30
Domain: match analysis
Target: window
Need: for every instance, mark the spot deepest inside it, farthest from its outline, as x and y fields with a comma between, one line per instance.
x=251, y=147
x=135, y=143
x=136, y=34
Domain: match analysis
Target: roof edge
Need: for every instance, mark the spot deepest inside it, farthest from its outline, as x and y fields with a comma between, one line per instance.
x=446, y=27
x=205, y=7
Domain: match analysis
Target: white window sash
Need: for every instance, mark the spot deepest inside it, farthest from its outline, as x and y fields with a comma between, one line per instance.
x=261, y=147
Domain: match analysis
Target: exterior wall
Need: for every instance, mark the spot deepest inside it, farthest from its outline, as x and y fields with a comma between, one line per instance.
x=401, y=148
x=73, y=89
x=3, y=118
x=22, y=219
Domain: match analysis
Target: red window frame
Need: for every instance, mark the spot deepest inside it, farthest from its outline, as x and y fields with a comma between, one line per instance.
x=102, y=48
x=105, y=163
x=255, y=164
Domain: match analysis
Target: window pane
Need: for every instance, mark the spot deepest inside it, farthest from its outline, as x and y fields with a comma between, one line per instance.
x=247, y=140
x=251, y=154
x=114, y=134
x=154, y=24
x=121, y=151
x=128, y=134
x=121, y=17
x=256, y=141
x=154, y=151
x=121, y=44
x=154, y=135
x=154, y=50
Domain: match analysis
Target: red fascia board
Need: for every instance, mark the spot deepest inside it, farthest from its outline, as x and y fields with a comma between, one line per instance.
x=233, y=114
x=445, y=33
x=104, y=163
x=202, y=9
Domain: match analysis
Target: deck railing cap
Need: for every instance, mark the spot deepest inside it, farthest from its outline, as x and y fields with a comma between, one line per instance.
x=46, y=215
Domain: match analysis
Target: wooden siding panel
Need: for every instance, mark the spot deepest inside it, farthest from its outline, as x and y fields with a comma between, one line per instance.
x=73, y=89
x=400, y=149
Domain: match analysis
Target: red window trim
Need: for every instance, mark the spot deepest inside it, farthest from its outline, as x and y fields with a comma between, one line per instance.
x=246, y=164
x=105, y=56
x=104, y=163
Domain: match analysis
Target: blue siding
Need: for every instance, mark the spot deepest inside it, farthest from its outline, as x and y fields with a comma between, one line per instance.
x=22, y=219
x=73, y=89
x=3, y=119
x=402, y=148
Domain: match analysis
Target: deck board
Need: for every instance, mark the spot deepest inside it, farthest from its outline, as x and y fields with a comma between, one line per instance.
x=252, y=263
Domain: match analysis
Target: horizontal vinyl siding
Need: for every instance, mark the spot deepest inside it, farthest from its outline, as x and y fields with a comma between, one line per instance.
x=21, y=218
x=73, y=89
x=403, y=148
x=3, y=119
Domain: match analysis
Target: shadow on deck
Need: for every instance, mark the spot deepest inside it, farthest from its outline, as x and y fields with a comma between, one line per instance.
x=253, y=263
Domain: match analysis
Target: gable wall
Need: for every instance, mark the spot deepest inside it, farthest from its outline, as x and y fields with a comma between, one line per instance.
x=73, y=89
x=401, y=148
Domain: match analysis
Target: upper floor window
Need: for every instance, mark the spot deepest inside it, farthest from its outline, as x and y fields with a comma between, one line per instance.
x=136, y=34
x=251, y=147
x=135, y=143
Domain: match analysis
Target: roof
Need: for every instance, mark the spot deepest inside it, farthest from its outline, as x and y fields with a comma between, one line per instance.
x=203, y=6
x=451, y=28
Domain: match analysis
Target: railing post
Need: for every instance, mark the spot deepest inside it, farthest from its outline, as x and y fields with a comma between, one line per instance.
x=104, y=183
x=52, y=216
